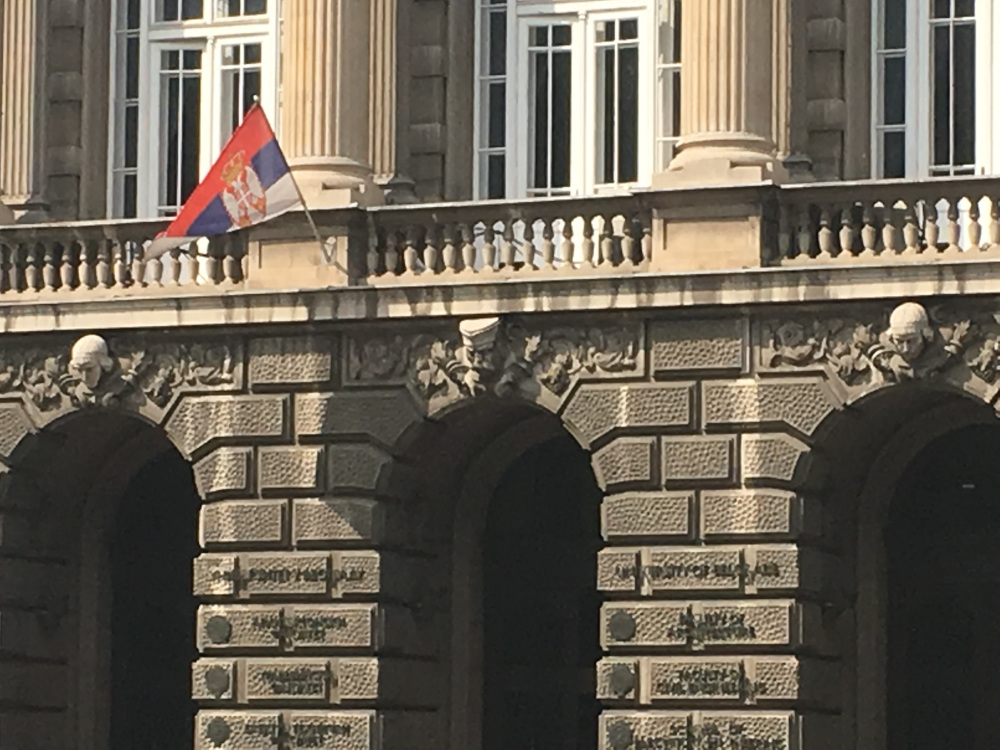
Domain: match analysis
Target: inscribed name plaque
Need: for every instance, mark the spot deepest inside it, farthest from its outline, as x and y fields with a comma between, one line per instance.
x=334, y=625
x=285, y=679
x=355, y=573
x=239, y=730
x=649, y=730
x=239, y=627
x=343, y=730
x=760, y=731
x=717, y=569
x=704, y=730
x=285, y=574
x=701, y=679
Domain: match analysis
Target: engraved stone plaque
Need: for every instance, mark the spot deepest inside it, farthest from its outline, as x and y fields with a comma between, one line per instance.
x=618, y=569
x=355, y=573
x=697, y=679
x=284, y=573
x=768, y=731
x=213, y=680
x=239, y=730
x=288, y=679
x=774, y=568
x=239, y=627
x=343, y=730
x=699, y=568
x=641, y=624
x=334, y=625
x=663, y=730
x=215, y=575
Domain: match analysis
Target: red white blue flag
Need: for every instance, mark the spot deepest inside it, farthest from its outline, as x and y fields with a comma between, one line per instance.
x=249, y=183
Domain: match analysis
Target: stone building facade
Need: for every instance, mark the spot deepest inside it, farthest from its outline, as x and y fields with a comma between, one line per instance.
x=703, y=461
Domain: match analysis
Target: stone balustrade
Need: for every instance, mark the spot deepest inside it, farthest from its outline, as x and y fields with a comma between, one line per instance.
x=668, y=232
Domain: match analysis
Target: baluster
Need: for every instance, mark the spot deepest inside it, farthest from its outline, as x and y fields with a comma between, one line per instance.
x=449, y=252
x=804, y=234
x=432, y=248
x=587, y=246
x=32, y=267
x=646, y=245
x=6, y=278
x=411, y=255
x=566, y=249
x=50, y=268
x=489, y=248
x=468, y=247
x=953, y=229
x=548, y=246
x=138, y=271
x=911, y=232
x=371, y=258
x=824, y=237
x=154, y=268
x=869, y=232
x=628, y=242
x=392, y=253
x=508, y=250
x=607, y=242
x=529, y=246
x=234, y=254
x=784, y=233
x=995, y=225
x=174, y=266
x=890, y=235
x=20, y=259
x=120, y=267
x=931, y=229
x=213, y=263
x=194, y=261
x=87, y=272
x=68, y=269
x=104, y=263
x=975, y=230
x=847, y=232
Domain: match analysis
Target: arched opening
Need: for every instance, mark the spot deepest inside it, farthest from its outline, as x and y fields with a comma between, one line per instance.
x=540, y=603
x=942, y=543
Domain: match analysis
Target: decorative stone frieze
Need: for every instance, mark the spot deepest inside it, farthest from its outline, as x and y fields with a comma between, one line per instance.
x=682, y=346
x=497, y=356
x=593, y=411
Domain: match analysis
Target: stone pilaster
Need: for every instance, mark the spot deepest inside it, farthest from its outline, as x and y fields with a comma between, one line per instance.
x=791, y=53
x=390, y=101
x=325, y=100
x=22, y=78
x=726, y=84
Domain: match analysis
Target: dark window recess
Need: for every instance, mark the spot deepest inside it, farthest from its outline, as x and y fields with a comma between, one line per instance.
x=628, y=115
x=941, y=129
x=497, y=135
x=498, y=43
x=561, y=113
x=894, y=91
x=190, y=136
x=894, y=27
x=893, y=155
x=541, y=160
x=495, y=178
x=964, y=92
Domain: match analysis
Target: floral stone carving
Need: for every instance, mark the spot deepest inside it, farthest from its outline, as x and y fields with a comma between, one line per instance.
x=94, y=373
x=491, y=355
x=908, y=346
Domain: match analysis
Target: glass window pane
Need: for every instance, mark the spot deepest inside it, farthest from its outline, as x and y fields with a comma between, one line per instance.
x=498, y=44
x=170, y=60
x=893, y=155
x=628, y=115
x=192, y=59
x=170, y=10
x=233, y=7
x=942, y=9
x=894, y=36
x=251, y=53
x=676, y=111
x=965, y=8
x=894, y=91
x=677, y=31
x=495, y=176
x=129, y=190
x=606, y=114
x=251, y=89
x=497, y=128
x=561, y=35
x=605, y=31
x=172, y=145
x=131, y=68
x=539, y=36
x=191, y=9
x=190, y=138
x=131, y=136
x=254, y=7
x=629, y=29
x=941, y=70
x=541, y=124
x=964, y=106
x=132, y=14
x=561, y=113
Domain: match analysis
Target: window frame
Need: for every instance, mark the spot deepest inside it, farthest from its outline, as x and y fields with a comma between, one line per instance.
x=212, y=32
x=918, y=110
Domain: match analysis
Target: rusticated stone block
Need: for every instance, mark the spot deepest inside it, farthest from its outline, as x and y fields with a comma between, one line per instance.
x=253, y=522
x=618, y=679
x=14, y=427
x=624, y=730
x=772, y=457
x=333, y=626
x=382, y=414
x=626, y=461
x=647, y=514
x=338, y=520
x=213, y=680
x=287, y=679
x=215, y=575
x=239, y=730
x=223, y=471
x=618, y=569
x=344, y=730
x=291, y=468
x=293, y=361
x=668, y=569
x=782, y=567
x=698, y=624
x=596, y=410
x=800, y=404
x=285, y=574
x=749, y=728
x=749, y=513
x=684, y=679
x=698, y=459
x=690, y=345
x=200, y=420
x=355, y=573
x=231, y=626
x=354, y=467
x=676, y=730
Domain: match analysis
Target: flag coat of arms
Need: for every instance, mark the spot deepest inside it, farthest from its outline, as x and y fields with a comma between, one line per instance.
x=249, y=183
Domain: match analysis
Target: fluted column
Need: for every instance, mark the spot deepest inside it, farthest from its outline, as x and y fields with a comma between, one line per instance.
x=726, y=85
x=390, y=100
x=325, y=100
x=22, y=102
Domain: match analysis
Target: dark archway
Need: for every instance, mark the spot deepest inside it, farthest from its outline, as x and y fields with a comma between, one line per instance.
x=943, y=560
x=540, y=603
x=152, y=545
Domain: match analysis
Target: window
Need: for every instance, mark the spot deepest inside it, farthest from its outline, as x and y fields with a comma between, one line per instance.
x=574, y=96
x=933, y=100
x=185, y=72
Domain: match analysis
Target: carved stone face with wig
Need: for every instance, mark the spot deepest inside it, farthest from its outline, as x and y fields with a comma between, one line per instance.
x=89, y=360
x=909, y=330
x=479, y=340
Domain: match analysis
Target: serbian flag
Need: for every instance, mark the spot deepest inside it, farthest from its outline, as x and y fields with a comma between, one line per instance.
x=249, y=183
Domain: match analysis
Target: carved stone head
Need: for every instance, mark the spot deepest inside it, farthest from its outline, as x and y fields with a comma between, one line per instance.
x=479, y=338
x=89, y=360
x=909, y=330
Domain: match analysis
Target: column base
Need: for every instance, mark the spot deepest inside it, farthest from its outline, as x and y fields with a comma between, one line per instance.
x=335, y=182
x=722, y=159
x=398, y=189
